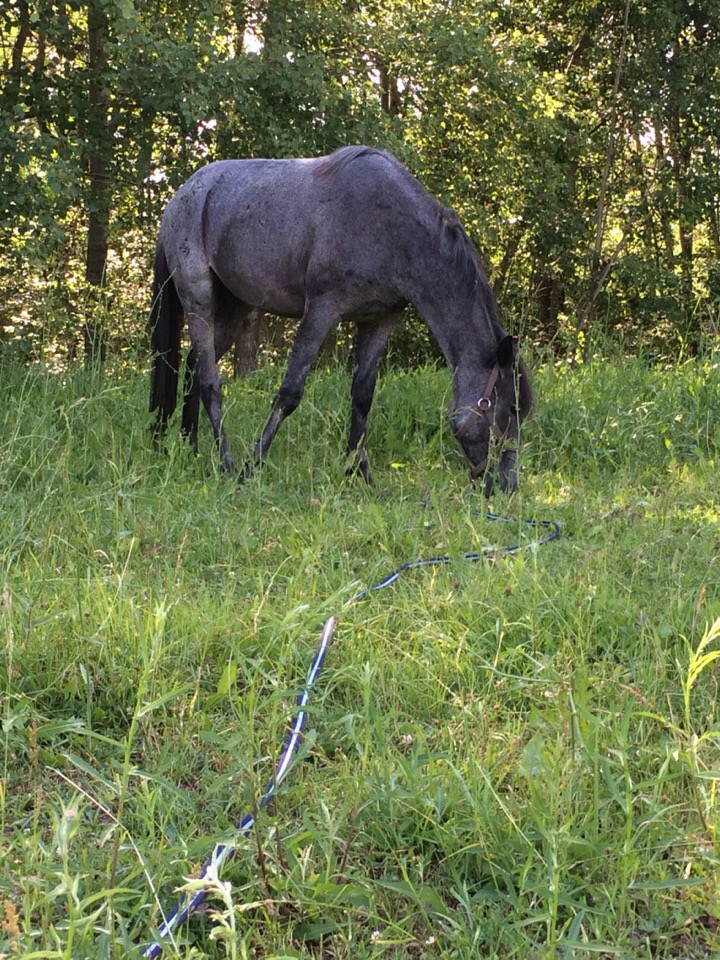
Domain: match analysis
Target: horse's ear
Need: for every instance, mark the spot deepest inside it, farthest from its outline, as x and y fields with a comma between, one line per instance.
x=507, y=352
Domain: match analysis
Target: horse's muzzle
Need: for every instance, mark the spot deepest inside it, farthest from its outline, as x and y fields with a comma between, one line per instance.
x=506, y=472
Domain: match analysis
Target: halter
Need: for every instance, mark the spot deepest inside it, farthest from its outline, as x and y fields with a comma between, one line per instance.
x=483, y=408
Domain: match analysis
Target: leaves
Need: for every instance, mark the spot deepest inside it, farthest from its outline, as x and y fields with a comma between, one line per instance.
x=503, y=110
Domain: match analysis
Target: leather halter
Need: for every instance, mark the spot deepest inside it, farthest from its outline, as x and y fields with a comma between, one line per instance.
x=483, y=408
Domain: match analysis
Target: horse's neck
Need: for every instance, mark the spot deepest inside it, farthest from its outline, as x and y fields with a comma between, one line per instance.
x=462, y=328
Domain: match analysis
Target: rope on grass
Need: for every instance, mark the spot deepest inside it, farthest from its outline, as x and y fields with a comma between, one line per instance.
x=224, y=852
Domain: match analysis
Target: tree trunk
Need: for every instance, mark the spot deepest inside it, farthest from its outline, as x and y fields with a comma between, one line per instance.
x=500, y=278
x=681, y=154
x=681, y=163
x=714, y=225
x=597, y=274
x=250, y=334
x=549, y=295
x=665, y=223
x=389, y=90
x=247, y=344
x=98, y=146
x=18, y=49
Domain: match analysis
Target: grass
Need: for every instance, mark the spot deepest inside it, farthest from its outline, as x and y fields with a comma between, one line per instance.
x=516, y=758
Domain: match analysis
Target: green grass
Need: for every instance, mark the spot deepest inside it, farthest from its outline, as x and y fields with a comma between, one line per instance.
x=516, y=758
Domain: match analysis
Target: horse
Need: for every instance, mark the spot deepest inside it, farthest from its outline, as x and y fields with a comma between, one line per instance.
x=350, y=236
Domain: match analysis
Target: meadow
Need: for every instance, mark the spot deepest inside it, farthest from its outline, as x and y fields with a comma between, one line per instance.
x=514, y=758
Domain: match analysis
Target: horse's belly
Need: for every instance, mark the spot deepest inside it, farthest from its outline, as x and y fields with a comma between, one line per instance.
x=273, y=297
x=261, y=268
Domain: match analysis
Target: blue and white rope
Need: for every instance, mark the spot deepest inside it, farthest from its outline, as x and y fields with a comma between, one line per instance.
x=226, y=851
x=470, y=557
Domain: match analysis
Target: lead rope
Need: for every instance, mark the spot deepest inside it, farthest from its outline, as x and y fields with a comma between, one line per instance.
x=224, y=852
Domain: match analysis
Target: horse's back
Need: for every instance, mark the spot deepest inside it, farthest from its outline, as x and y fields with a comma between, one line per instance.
x=293, y=196
x=271, y=229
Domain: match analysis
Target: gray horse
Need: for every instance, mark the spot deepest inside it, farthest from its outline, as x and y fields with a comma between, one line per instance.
x=351, y=236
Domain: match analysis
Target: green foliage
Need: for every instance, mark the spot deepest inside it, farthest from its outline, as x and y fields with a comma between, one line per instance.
x=581, y=150
x=515, y=758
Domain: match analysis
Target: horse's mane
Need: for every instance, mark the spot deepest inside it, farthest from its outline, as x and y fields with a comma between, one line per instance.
x=452, y=233
x=331, y=165
x=526, y=398
x=453, y=238
x=466, y=259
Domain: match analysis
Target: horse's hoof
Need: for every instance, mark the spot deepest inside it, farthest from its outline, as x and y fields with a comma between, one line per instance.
x=247, y=471
x=508, y=482
x=353, y=469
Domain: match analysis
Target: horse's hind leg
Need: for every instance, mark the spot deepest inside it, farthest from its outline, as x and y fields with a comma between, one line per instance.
x=231, y=316
x=196, y=288
x=211, y=396
x=191, y=401
x=224, y=337
x=372, y=337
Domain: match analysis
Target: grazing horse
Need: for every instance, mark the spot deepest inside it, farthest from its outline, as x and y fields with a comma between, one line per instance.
x=351, y=236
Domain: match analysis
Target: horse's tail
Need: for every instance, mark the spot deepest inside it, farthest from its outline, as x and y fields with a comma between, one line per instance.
x=166, y=320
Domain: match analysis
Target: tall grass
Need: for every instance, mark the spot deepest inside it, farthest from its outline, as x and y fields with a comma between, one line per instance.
x=517, y=758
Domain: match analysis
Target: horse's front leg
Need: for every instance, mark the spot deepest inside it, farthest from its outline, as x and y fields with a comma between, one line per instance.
x=318, y=319
x=371, y=339
x=277, y=414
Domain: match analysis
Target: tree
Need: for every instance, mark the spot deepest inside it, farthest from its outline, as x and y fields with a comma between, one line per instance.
x=97, y=159
x=577, y=141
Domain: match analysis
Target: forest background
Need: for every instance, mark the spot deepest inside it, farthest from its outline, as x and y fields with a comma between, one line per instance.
x=578, y=141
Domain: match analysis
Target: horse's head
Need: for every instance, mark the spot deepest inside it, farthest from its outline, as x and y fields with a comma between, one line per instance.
x=487, y=414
